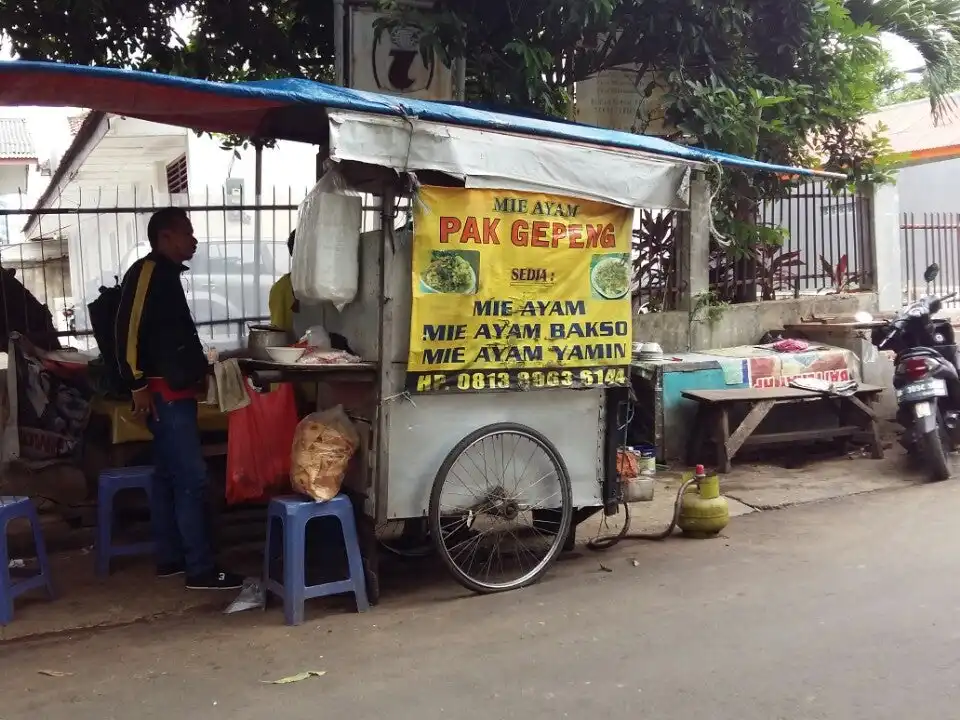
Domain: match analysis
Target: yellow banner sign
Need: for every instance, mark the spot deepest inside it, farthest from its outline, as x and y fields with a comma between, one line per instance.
x=518, y=290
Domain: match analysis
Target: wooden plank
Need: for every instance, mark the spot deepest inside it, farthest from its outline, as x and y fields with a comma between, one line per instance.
x=757, y=394
x=872, y=424
x=859, y=404
x=695, y=441
x=721, y=437
x=747, y=395
x=750, y=423
x=802, y=435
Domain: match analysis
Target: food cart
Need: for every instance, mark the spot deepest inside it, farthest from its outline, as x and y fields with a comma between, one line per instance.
x=495, y=331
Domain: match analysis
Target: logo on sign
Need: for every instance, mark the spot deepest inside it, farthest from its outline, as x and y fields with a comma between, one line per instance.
x=399, y=64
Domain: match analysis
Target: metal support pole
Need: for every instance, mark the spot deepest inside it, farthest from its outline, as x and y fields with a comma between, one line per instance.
x=338, y=38
x=693, y=266
x=257, y=239
x=390, y=381
x=460, y=86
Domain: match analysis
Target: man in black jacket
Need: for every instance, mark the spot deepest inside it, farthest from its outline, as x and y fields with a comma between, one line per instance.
x=164, y=365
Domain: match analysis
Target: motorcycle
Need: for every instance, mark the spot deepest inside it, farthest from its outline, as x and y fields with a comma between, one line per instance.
x=925, y=378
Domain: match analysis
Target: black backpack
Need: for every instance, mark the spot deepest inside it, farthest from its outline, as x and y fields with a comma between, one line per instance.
x=21, y=312
x=103, y=320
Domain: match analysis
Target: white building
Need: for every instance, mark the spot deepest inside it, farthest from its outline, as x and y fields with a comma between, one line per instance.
x=118, y=170
x=19, y=173
x=926, y=152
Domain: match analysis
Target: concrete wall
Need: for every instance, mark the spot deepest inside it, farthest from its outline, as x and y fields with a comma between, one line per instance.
x=742, y=324
x=886, y=255
x=929, y=188
x=49, y=281
x=13, y=178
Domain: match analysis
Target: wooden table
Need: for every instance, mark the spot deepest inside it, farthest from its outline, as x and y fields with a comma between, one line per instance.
x=855, y=414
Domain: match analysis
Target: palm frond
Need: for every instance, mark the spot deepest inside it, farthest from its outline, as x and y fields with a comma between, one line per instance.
x=930, y=26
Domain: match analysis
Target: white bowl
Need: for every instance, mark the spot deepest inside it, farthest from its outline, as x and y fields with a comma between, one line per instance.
x=286, y=355
x=651, y=348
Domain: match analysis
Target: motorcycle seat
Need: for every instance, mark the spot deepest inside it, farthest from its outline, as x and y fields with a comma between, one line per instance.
x=921, y=352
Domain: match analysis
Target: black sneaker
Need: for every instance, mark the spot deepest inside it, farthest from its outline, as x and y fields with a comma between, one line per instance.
x=169, y=570
x=215, y=580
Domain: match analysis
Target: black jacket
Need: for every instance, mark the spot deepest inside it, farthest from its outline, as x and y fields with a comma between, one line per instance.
x=156, y=335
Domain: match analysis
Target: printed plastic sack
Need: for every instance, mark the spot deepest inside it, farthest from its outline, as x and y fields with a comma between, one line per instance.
x=47, y=406
x=326, y=264
x=322, y=448
x=258, y=445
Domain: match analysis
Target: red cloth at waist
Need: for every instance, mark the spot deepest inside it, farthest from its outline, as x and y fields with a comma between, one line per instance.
x=160, y=387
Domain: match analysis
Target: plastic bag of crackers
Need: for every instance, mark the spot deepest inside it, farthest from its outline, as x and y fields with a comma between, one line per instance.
x=322, y=447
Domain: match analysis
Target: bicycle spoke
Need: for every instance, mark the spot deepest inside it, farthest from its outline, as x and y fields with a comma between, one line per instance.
x=498, y=536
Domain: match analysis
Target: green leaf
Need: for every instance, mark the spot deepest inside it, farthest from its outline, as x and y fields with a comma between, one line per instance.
x=306, y=674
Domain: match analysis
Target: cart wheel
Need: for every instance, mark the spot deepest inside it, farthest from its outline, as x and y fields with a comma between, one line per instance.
x=483, y=503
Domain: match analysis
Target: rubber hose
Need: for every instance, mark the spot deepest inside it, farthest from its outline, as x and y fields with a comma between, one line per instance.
x=608, y=541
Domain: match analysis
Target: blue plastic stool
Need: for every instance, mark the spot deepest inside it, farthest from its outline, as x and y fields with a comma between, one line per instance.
x=294, y=512
x=111, y=482
x=11, y=508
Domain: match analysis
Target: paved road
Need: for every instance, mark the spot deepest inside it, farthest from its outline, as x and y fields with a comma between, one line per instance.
x=842, y=610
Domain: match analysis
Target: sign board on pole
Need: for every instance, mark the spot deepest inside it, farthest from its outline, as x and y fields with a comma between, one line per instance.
x=393, y=62
x=615, y=98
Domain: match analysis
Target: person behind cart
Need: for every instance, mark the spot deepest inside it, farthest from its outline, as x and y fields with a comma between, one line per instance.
x=163, y=365
x=283, y=303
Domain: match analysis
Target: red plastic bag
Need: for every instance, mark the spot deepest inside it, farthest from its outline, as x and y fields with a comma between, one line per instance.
x=258, y=445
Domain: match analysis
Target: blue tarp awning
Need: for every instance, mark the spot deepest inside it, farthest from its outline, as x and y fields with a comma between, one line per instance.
x=294, y=109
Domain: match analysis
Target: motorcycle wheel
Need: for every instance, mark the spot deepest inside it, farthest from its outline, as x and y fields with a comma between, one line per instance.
x=931, y=447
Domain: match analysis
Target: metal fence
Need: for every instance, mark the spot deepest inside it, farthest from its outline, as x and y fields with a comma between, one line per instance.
x=927, y=238
x=242, y=250
x=824, y=245
x=74, y=251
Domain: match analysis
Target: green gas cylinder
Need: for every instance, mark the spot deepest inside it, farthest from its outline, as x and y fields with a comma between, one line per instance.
x=703, y=511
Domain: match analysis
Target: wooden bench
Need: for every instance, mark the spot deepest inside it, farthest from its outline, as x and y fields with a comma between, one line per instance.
x=854, y=412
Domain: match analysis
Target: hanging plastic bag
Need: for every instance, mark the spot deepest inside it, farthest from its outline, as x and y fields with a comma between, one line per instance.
x=258, y=445
x=322, y=448
x=326, y=265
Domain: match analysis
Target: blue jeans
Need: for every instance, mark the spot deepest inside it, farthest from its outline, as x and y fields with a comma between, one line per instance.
x=180, y=522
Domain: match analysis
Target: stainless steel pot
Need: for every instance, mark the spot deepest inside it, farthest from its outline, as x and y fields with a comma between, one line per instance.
x=261, y=337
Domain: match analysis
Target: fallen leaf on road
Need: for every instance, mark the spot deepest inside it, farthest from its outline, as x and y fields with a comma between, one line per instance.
x=296, y=678
x=605, y=568
x=54, y=673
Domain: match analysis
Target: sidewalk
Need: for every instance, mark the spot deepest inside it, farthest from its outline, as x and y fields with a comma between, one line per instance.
x=756, y=487
x=131, y=594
